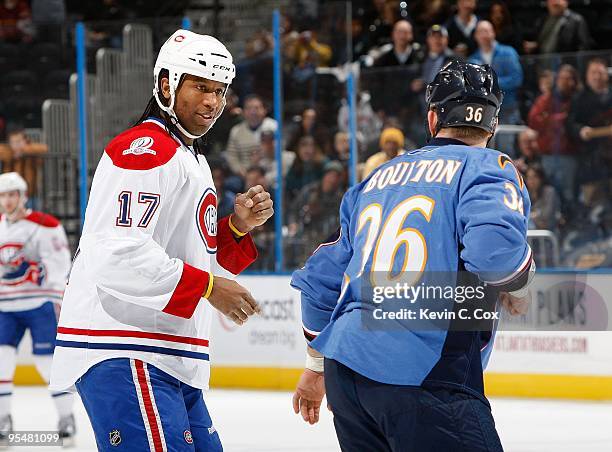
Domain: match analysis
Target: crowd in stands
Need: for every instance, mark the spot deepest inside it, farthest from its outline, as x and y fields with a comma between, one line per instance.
x=559, y=104
x=563, y=104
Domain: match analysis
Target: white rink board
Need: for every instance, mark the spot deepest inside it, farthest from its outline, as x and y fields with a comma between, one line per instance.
x=275, y=338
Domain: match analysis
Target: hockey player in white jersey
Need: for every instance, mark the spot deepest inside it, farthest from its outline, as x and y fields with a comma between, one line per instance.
x=154, y=263
x=34, y=264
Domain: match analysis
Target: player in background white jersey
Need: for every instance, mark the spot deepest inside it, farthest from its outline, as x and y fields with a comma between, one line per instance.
x=154, y=264
x=34, y=265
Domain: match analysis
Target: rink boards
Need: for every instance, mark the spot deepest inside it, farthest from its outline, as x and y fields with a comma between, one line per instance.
x=538, y=358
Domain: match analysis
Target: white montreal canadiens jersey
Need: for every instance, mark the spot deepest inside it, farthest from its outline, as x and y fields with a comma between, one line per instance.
x=150, y=239
x=34, y=261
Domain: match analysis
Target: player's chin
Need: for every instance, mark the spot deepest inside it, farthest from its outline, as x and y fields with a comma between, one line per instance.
x=202, y=124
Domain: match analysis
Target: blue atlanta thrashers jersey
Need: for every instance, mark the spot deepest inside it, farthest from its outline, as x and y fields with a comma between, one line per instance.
x=446, y=207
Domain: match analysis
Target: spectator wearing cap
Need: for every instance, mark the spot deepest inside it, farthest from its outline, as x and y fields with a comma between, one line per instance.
x=505, y=61
x=315, y=212
x=438, y=53
x=267, y=159
x=404, y=51
x=461, y=28
x=24, y=157
x=307, y=167
x=391, y=145
x=563, y=30
x=245, y=137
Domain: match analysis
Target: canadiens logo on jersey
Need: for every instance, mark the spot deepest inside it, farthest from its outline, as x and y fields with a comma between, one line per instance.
x=140, y=146
x=206, y=218
x=11, y=254
x=17, y=270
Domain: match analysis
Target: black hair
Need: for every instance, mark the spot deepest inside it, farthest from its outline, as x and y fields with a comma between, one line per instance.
x=152, y=110
x=258, y=169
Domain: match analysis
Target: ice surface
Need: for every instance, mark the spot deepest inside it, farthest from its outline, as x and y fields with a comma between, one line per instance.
x=257, y=421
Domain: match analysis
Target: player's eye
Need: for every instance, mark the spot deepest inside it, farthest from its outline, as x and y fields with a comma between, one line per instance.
x=219, y=92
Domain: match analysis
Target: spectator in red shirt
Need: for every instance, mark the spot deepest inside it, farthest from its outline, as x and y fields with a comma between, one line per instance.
x=548, y=117
x=15, y=21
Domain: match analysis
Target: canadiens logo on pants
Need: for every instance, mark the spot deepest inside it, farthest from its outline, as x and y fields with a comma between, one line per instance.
x=206, y=219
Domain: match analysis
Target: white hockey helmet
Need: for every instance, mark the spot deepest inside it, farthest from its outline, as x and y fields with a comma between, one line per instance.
x=203, y=56
x=13, y=182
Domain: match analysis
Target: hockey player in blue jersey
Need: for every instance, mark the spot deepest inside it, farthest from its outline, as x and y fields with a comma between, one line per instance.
x=453, y=206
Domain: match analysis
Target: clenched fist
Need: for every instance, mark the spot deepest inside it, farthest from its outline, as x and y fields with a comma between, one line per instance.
x=252, y=209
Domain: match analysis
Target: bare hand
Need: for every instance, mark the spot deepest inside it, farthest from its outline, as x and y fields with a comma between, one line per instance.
x=586, y=133
x=515, y=305
x=308, y=396
x=233, y=300
x=252, y=209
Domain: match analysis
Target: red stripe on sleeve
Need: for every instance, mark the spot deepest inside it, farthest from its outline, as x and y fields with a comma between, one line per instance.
x=234, y=255
x=188, y=292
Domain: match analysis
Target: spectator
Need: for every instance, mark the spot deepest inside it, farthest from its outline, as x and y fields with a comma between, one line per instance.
x=427, y=13
x=589, y=122
x=378, y=20
x=307, y=125
x=15, y=21
x=315, y=215
x=529, y=152
x=546, y=81
x=253, y=68
x=461, y=28
x=545, y=211
x=268, y=159
x=404, y=51
x=562, y=30
x=225, y=197
x=308, y=54
x=25, y=158
x=391, y=145
x=244, y=138
x=48, y=17
x=548, y=117
x=108, y=18
x=369, y=123
x=505, y=61
x=342, y=149
x=506, y=31
x=307, y=167
x=438, y=53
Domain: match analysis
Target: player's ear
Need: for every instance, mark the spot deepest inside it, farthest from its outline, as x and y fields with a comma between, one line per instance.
x=432, y=122
x=165, y=87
